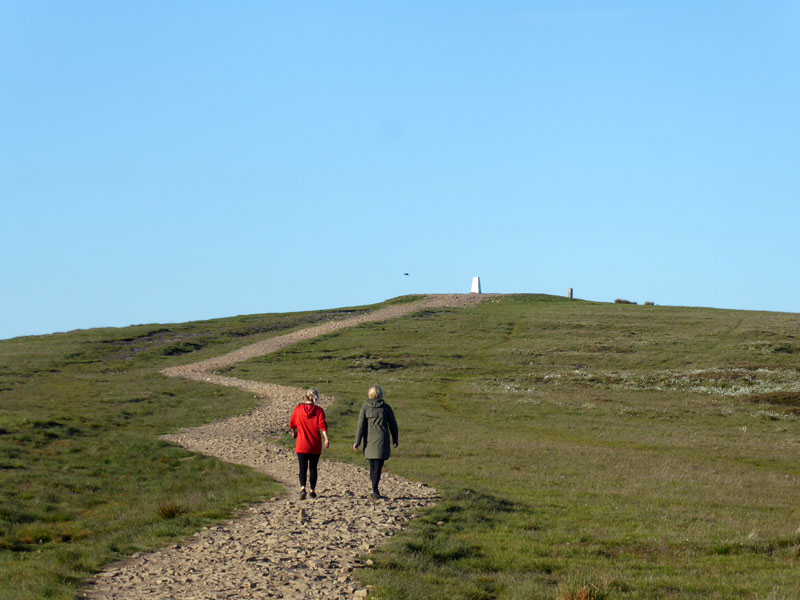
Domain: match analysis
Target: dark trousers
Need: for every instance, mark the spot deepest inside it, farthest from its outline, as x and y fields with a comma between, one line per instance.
x=308, y=462
x=375, y=468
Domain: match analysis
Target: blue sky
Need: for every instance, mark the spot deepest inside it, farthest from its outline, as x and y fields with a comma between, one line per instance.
x=173, y=161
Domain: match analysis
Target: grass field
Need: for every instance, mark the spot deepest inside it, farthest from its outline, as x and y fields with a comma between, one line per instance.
x=630, y=451
x=627, y=451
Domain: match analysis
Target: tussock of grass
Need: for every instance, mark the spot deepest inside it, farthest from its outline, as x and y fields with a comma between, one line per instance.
x=582, y=591
x=170, y=510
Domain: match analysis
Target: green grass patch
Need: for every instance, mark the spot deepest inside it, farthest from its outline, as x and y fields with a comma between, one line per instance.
x=584, y=449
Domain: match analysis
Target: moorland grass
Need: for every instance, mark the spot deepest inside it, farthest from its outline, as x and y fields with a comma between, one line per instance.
x=623, y=451
x=84, y=478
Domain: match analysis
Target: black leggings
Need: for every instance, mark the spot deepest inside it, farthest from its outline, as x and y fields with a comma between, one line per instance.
x=375, y=468
x=306, y=461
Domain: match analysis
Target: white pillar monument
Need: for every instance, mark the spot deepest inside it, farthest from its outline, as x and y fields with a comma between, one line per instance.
x=476, y=285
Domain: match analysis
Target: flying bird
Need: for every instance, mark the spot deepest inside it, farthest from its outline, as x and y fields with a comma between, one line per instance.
x=406, y=273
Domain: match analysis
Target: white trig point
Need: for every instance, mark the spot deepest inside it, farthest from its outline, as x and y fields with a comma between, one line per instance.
x=476, y=285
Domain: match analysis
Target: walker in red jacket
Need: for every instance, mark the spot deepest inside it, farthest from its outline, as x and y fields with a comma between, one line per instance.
x=307, y=423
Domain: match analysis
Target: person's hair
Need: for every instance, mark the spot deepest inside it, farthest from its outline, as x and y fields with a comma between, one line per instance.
x=375, y=392
x=312, y=394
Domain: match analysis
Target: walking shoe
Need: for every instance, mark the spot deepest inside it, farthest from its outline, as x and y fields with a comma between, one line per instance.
x=375, y=495
x=302, y=494
x=313, y=494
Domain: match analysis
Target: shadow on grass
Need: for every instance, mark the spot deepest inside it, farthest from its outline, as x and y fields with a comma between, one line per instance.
x=440, y=554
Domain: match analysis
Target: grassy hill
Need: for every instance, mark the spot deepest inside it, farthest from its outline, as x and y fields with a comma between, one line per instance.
x=649, y=451
x=634, y=451
x=84, y=478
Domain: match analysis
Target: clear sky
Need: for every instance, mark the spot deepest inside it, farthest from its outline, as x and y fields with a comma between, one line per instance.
x=182, y=160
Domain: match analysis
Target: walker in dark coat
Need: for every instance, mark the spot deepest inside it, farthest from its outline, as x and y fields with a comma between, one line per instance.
x=375, y=423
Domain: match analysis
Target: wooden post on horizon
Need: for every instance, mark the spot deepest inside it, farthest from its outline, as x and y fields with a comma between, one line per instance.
x=569, y=293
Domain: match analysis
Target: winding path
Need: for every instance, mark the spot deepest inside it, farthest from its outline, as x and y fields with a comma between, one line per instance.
x=283, y=548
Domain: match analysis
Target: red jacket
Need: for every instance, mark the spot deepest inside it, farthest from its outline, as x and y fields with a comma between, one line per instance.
x=309, y=420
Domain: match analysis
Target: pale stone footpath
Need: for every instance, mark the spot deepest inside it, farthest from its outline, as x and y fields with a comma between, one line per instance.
x=286, y=547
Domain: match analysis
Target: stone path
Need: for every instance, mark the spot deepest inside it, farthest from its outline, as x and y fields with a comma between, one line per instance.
x=283, y=548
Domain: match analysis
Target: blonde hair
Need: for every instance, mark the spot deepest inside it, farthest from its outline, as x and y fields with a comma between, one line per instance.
x=375, y=391
x=312, y=394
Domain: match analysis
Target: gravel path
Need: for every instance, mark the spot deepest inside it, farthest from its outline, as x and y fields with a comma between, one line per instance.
x=283, y=548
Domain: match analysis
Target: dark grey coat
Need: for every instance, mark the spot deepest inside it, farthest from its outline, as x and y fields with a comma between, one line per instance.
x=375, y=423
